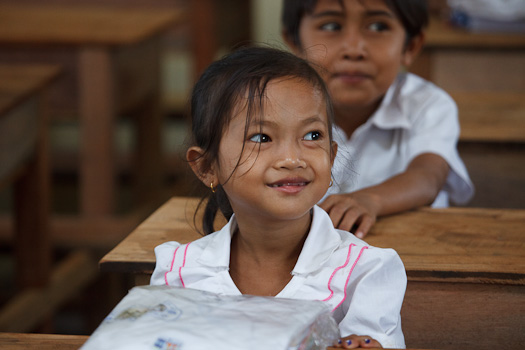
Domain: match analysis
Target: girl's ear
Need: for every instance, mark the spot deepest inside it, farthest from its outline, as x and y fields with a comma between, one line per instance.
x=413, y=49
x=195, y=156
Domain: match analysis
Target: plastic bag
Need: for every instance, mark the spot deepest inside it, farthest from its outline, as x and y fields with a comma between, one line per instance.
x=162, y=317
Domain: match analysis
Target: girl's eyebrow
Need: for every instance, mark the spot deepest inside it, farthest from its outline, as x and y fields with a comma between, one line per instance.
x=314, y=119
x=373, y=13
x=328, y=13
x=337, y=13
x=310, y=120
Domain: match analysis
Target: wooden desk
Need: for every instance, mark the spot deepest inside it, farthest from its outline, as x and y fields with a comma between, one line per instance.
x=24, y=162
x=466, y=269
x=111, y=57
x=20, y=341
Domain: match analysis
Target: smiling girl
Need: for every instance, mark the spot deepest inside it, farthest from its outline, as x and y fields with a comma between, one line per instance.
x=262, y=143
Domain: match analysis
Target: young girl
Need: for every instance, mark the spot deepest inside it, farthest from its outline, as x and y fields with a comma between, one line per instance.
x=397, y=133
x=262, y=143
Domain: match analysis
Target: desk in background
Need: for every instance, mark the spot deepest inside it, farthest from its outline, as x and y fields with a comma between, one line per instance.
x=111, y=59
x=24, y=162
x=465, y=266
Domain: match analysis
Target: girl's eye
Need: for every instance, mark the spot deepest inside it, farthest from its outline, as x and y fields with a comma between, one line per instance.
x=312, y=136
x=330, y=27
x=378, y=27
x=260, y=138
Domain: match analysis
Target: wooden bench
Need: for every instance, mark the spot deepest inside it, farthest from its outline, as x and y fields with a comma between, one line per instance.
x=24, y=162
x=465, y=266
x=484, y=74
x=442, y=38
x=111, y=62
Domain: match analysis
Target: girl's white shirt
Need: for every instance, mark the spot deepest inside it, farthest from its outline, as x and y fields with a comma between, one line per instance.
x=415, y=117
x=363, y=285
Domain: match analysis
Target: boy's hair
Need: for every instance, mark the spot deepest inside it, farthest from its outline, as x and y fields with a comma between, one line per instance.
x=413, y=14
x=232, y=84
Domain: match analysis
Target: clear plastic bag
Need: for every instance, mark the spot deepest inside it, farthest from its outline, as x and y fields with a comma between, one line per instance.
x=161, y=317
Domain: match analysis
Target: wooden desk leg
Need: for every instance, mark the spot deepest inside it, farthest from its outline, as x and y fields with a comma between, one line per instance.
x=97, y=108
x=31, y=215
x=149, y=161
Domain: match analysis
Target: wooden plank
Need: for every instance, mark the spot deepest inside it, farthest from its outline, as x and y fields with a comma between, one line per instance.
x=19, y=81
x=491, y=116
x=468, y=244
x=94, y=233
x=45, y=24
x=464, y=316
x=97, y=113
x=23, y=341
x=441, y=34
x=28, y=307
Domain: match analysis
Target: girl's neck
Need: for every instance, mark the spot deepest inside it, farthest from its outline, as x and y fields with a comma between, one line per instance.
x=271, y=250
x=273, y=240
x=350, y=118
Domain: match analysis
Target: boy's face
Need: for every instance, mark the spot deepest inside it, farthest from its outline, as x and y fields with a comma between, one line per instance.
x=283, y=165
x=361, y=47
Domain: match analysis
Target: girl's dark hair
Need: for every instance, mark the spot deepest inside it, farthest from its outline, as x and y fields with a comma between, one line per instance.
x=413, y=14
x=239, y=78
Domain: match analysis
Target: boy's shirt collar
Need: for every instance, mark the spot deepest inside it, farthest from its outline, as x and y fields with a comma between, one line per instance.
x=390, y=113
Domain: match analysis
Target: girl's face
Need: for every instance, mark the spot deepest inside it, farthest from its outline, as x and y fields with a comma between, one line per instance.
x=285, y=167
x=361, y=47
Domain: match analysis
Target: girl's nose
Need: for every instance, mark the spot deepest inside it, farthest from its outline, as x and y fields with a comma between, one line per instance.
x=290, y=157
x=290, y=163
x=353, y=47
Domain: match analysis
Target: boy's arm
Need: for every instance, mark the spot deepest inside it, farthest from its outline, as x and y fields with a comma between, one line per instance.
x=418, y=185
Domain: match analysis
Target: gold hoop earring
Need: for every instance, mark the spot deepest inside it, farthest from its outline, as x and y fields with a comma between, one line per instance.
x=212, y=188
x=331, y=182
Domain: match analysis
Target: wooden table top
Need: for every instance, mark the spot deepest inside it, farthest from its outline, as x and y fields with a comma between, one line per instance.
x=19, y=81
x=453, y=244
x=441, y=34
x=43, y=24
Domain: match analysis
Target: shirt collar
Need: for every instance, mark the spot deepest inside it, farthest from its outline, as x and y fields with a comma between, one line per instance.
x=390, y=114
x=217, y=252
x=321, y=242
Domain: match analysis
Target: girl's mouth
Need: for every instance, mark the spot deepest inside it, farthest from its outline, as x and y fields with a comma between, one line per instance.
x=289, y=186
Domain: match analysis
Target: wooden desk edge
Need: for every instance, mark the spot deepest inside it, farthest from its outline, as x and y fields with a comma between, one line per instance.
x=41, y=341
x=53, y=341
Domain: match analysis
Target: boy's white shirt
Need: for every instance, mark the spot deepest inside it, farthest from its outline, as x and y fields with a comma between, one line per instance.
x=375, y=278
x=415, y=117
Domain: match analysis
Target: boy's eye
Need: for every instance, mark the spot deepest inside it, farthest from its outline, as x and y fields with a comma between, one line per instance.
x=378, y=27
x=260, y=138
x=330, y=27
x=312, y=136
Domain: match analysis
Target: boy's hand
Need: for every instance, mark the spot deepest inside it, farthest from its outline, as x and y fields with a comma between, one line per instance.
x=357, y=341
x=356, y=210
